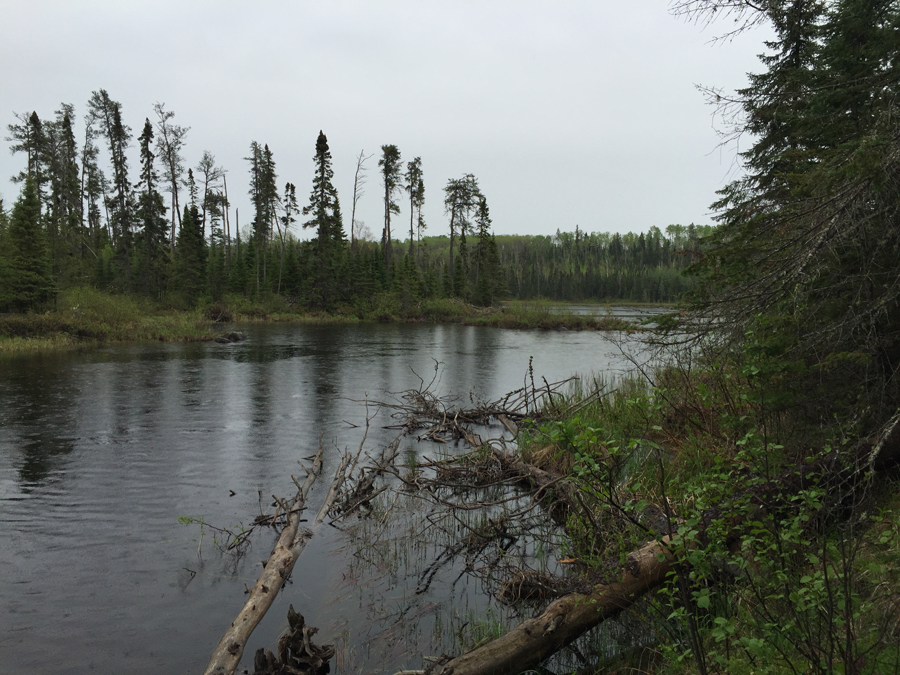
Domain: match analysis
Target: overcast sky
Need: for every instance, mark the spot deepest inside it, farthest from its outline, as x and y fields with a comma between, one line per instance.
x=567, y=112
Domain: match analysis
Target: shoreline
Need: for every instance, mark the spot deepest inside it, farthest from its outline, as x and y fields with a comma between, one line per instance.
x=91, y=319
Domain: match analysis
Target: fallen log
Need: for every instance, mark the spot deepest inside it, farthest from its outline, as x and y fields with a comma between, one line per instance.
x=567, y=618
x=564, y=493
x=277, y=569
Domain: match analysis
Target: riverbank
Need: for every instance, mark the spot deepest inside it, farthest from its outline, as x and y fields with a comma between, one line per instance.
x=788, y=533
x=85, y=317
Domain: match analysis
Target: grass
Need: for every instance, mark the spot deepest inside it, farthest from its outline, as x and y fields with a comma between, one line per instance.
x=87, y=317
x=390, y=308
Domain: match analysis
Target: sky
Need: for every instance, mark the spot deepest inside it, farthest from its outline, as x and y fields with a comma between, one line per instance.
x=568, y=112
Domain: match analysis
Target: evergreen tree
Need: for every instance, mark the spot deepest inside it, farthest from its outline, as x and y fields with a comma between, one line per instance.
x=461, y=196
x=325, y=215
x=190, y=257
x=93, y=186
x=287, y=220
x=28, y=137
x=461, y=270
x=488, y=272
x=264, y=197
x=170, y=142
x=390, y=174
x=238, y=274
x=151, y=215
x=808, y=239
x=64, y=227
x=26, y=281
x=415, y=186
x=108, y=115
x=210, y=175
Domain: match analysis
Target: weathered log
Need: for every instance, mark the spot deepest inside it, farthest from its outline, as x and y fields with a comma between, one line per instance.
x=566, y=619
x=290, y=544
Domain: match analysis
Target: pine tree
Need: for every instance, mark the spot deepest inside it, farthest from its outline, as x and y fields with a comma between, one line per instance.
x=26, y=281
x=461, y=196
x=390, y=174
x=190, y=257
x=325, y=215
x=151, y=216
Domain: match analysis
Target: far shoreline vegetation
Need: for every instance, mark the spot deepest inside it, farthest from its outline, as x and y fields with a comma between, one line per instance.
x=158, y=268
x=86, y=317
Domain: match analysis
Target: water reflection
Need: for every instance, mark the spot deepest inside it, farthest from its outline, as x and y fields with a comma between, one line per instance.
x=42, y=430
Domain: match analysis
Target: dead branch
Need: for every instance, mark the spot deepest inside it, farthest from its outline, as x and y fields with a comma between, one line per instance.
x=297, y=654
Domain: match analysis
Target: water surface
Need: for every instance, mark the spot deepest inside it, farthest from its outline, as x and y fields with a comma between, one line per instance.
x=102, y=451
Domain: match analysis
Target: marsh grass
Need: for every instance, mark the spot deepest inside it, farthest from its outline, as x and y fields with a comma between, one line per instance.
x=87, y=317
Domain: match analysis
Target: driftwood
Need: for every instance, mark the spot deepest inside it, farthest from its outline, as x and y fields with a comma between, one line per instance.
x=297, y=654
x=276, y=570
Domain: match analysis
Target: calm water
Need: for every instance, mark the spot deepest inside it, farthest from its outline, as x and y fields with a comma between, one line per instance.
x=101, y=452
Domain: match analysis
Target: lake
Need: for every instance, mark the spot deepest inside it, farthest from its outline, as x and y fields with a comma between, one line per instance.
x=102, y=451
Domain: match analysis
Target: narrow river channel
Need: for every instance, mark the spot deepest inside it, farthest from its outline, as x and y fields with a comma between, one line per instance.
x=102, y=451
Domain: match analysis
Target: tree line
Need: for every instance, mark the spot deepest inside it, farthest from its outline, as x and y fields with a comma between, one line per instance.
x=167, y=232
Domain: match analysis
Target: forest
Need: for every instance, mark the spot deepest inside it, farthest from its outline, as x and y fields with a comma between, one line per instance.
x=169, y=233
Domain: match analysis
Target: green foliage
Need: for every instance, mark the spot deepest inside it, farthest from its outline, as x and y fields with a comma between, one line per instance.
x=775, y=574
x=26, y=281
x=808, y=237
x=190, y=258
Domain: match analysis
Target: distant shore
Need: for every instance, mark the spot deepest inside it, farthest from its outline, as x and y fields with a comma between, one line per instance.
x=86, y=317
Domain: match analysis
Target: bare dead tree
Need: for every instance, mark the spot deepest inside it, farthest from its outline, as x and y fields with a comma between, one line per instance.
x=359, y=181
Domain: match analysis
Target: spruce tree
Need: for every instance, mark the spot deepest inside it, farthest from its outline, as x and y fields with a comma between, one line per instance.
x=26, y=281
x=190, y=258
x=108, y=115
x=151, y=216
x=390, y=174
x=808, y=240
x=264, y=197
x=488, y=272
x=415, y=186
x=324, y=213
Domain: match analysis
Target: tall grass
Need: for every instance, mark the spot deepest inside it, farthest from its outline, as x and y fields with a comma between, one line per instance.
x=86, y=316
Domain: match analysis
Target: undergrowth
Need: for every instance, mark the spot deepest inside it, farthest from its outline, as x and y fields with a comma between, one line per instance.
x=788, y=556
